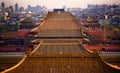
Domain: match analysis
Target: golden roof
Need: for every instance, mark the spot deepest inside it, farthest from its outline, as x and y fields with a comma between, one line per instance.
x=91, y=19
x=27, y=20
x=61, y=56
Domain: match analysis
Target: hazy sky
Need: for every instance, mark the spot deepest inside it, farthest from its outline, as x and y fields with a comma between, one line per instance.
x=59, y=3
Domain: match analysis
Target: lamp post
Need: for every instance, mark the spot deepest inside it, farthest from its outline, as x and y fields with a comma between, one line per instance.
x=105, y=30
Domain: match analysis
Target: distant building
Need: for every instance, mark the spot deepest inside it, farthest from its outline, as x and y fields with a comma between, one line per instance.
x=59, y=10
x=34, y=9
x=10, y=12
x=77, y=12
x=16, y=7
x=2, y=4
x=22, y=9
x=11, y=8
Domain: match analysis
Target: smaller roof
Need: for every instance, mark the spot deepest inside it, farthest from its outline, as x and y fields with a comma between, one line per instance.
x=10, y=34
x=91, y=19
x=28, y=20
x=15, y=34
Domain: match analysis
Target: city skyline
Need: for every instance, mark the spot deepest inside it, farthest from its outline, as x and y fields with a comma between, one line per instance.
x=50, y=4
